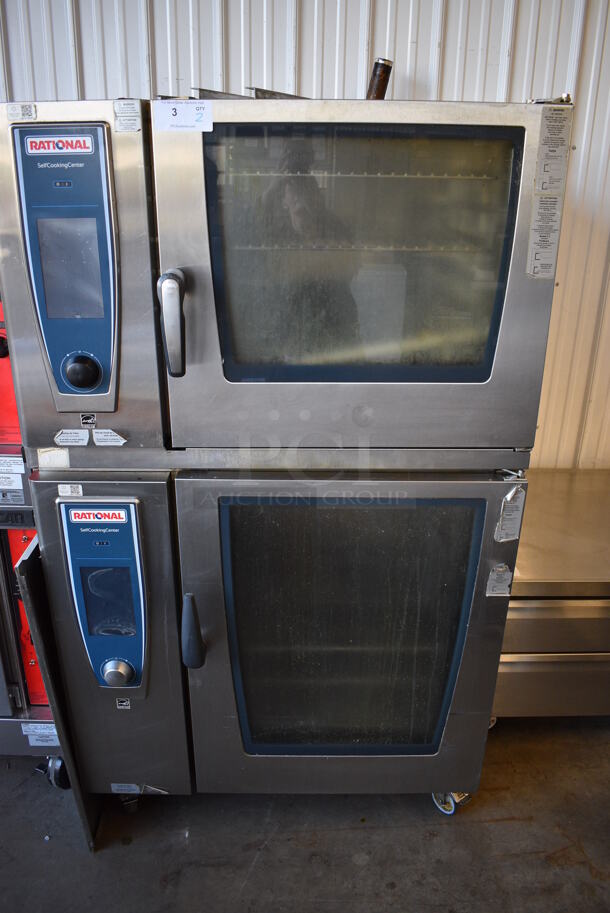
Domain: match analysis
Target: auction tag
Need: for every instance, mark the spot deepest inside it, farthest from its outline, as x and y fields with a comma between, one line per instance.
x=185, y=114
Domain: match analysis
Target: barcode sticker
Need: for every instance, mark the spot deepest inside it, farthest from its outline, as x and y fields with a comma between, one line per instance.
x=70, y=491
x=21, y=111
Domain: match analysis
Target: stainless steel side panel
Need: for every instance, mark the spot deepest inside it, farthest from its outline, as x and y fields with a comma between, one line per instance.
x=557, y=626
x=208, y=411
x=136, y=415
x=553, y=684
x=34, y=595
x=146, y=745
x=220, y=761
x=6, y=707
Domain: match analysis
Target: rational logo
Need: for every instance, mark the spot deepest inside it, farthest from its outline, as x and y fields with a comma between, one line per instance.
x=59, y=145
x=107, y=515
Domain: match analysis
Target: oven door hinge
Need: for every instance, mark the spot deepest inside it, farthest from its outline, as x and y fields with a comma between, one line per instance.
x=565, y=99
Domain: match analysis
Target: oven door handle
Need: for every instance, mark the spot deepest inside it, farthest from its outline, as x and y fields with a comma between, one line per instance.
x=194, y=648
x=170, y=292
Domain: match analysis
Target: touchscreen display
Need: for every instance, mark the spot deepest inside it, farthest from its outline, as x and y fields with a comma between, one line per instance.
x=108, y=601
x=71, y=267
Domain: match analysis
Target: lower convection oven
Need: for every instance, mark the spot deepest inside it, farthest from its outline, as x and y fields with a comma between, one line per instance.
x=271, y=633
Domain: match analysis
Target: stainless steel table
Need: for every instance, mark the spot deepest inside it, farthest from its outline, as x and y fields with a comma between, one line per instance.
x=556, y=651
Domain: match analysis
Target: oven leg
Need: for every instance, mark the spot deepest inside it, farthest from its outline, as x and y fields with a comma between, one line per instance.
x=130, y=804
x=55, y=771
x=448, y=803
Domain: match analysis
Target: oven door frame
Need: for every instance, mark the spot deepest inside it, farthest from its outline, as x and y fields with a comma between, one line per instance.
x=221, y=763
x=206, y=410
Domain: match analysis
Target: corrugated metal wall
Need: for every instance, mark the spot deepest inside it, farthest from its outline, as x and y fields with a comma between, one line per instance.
x=495, y=50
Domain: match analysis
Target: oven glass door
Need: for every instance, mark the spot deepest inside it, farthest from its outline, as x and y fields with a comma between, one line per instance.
x=359, y=252
x=336, y=620
x=349, y=283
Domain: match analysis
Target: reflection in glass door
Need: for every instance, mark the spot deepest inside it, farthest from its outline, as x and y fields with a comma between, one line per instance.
x=347, y=620
x=360, y=252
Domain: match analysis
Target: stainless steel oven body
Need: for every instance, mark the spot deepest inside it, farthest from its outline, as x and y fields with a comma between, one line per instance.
x=314, y=194
x=272, y=376
x=360, y=282
x=342, y=634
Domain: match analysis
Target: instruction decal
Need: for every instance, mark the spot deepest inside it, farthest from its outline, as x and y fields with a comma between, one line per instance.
x=106, y=437
x=72, y=437
x=549, y=187
x=499, y=581
x=508, y=526
x=127, y=117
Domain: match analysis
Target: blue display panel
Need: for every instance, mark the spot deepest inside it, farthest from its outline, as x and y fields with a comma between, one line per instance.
x=67, y=226
x=104, y=565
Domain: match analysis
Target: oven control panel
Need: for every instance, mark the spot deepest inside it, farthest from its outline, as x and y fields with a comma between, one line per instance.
x=64, y=193
x=102, y=549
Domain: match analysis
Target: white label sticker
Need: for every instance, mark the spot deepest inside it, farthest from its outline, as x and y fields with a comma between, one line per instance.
x=11, y=464
x=123, y=703
x=127, y=118
x=125, y=788
x=40, y=733
x=553, y=150
x=53, y=458
x=72, y=437
x=131, y=123
x=10, y=481
x=21, y=112
x=126, y=106
x=173, y=114
x=11, y=497
x=509, y=524
x=499, y=581
x=70, y=491
x=105, y=437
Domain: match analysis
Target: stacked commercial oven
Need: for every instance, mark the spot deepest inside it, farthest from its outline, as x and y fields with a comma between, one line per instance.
x=278, y=365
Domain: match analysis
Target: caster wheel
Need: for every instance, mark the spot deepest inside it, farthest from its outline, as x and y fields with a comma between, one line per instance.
x=54, y=769
x=445, y=803
x=448, y=803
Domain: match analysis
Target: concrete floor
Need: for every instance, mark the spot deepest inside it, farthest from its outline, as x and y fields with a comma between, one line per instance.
x=535, y=838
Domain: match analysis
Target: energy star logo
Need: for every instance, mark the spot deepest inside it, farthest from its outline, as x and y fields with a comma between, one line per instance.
x=59, y=145
x=107, y=515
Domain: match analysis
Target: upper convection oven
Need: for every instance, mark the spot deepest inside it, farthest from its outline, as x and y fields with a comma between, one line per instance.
x=328, y=275
x=349, y=274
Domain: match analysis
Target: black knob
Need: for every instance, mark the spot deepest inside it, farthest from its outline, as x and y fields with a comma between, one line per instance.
x=83, y=371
